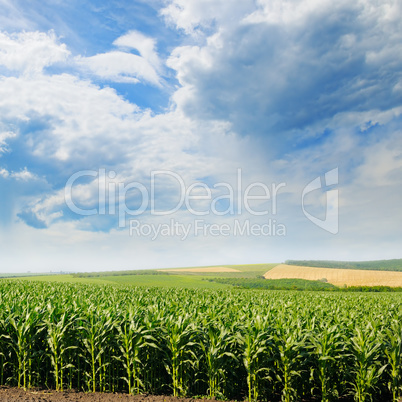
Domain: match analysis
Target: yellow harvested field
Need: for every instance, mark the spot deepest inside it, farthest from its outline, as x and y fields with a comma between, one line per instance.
x=338, y=277
x=207, y=269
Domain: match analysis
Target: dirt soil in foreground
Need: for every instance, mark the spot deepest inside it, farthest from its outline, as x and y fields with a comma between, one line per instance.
x=16, y=394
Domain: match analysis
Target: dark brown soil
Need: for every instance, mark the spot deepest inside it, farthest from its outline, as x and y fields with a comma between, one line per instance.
x=16, y=394
x=8, y=394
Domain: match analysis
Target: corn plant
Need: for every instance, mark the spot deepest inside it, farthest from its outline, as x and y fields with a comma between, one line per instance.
x=392, y=341
x=180, y=356
x=3, y=357
x=365, y=349
x=264, y=345
x=216, y=344
x=96, y=330
x=327, y=346
x=59, y=341
x=290, y=344
x=256, y=346
x=133, y=336
x=24, y=329
x=155, y=376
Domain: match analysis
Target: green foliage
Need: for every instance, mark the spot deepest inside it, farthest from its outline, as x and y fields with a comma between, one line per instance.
x=371, y=289
x=182, y=281
x=367, y=367
x=117, y=273
x=327, y=346
x=275, y=284
x=297, y=284
x=242, y=271
x=226, y=344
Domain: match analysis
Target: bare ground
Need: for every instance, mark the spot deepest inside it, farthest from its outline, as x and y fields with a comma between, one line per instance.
x=17, y=394
x=8, y=394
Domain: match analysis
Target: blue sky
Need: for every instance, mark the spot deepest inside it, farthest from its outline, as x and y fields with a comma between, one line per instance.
x=205, y=103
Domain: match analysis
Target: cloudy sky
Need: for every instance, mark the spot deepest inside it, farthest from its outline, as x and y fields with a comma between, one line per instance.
x=145, y=134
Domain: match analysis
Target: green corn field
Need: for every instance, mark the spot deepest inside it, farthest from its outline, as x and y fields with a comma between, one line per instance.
x=224, y=344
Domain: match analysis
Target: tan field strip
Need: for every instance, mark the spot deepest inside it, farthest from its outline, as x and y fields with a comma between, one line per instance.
x=208, y=269
x=338, y=277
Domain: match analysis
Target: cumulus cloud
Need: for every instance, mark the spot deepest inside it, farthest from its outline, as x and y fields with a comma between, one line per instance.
x=285, y=67
x=31, y=219
x=122, y=66
x=22, y=175
x=145, y=45
x=3, y=140
x=284, y=90
x=198, y=18
x=59, y=124
x=61, y=116
x=30, y=52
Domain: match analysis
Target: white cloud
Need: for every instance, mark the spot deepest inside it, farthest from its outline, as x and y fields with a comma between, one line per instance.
x=266, y=69
x=4, y=173
x=3, y=138
x=74, y=114
x=30, y=52
x=382, y=165
x=195, y=17
x=121, y=66
x=309, y=86
x=289, y=11
x=145, y=45
x=23, y=175
x=75, y=125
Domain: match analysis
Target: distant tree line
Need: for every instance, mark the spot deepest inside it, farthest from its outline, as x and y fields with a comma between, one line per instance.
x=118, y=273
x=274, y=284
x=298, y=284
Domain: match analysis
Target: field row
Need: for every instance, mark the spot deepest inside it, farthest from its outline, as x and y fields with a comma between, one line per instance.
x=224, y=344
